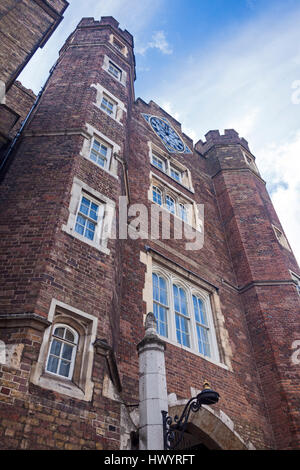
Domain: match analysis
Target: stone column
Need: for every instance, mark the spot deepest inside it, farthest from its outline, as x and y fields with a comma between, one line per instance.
x=152, y=387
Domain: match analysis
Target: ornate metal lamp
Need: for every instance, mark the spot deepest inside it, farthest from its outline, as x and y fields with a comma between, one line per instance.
x=171, y=430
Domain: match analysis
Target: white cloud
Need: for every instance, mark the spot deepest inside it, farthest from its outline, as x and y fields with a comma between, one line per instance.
x=159, y=41
x=280, y=166
x=246, y=122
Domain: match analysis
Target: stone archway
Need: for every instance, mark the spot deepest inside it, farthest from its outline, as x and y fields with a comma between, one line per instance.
x=209, y=430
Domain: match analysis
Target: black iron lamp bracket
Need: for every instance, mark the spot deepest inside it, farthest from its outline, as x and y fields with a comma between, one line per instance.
x=173, y=432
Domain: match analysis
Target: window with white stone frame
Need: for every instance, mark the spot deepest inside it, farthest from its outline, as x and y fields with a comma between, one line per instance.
x=108, y=106
x=281, y=238
x=170, y=166
x=65, y=361
x=184, y=314
x=114, y=70
x=250, y=161
x=101, y=153
x=159, y=162
x=62, y=351
x=90, y=216
x=109, y=103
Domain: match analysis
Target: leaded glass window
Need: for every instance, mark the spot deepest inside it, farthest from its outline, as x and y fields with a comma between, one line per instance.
x=202, y=327
x=181, y=316
x=87, y=218
x=160, y=304
x=62, y=351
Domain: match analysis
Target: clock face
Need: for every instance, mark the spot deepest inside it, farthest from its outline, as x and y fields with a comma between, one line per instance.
x=167, y=134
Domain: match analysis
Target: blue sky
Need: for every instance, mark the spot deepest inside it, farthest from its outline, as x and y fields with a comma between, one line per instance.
x=214, y=64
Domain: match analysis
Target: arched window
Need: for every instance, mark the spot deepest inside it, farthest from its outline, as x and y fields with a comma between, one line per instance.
x=160, y=304
x=170, y=204
x=182, y=210
x=181, y=316
x=157, y=195
x=62, y=351
x=202, y=327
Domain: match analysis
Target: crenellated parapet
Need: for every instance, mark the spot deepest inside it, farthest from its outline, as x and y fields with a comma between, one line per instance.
x=230, y=137
x=104, y=22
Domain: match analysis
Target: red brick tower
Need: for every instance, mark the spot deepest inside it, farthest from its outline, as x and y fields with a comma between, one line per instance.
x=58, y=266
x=265, y=269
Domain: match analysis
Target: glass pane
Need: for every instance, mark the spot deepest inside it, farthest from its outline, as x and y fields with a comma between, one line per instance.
x=93, y=156
x=67, y=352
x=79, y=229
x=155, y=310
x=103, y=150
x=52, y=364
x=155, y=293
x=175, y=174
x=183, y=302
x=84, y=206
x=176, y=298
x=163, y=330
x=162, y=314
x=55, y=347
x=101, y=161
x=200, y=344
x=93, y=211
x=96, y=145
x=163, y=291
x=89, y=234
x=69, y=336
x=207, y=350
x=59, y=332
x=196, y=310
x=186, y=340
x=202, y=312
x=90, y=226
x=64, y=368
x=81, y=220
x=184, y=324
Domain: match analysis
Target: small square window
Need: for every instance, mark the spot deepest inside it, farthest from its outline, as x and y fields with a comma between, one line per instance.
x=108, y=106
x=250, y=161
x=115, y=71
x=175, y=174
x=100, y=153
x=281, y=238
x=118, y=45
x=87, y=218
x=158, y=162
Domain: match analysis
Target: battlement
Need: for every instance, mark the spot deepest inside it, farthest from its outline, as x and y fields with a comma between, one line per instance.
x=107, y=21
x=230, y=137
